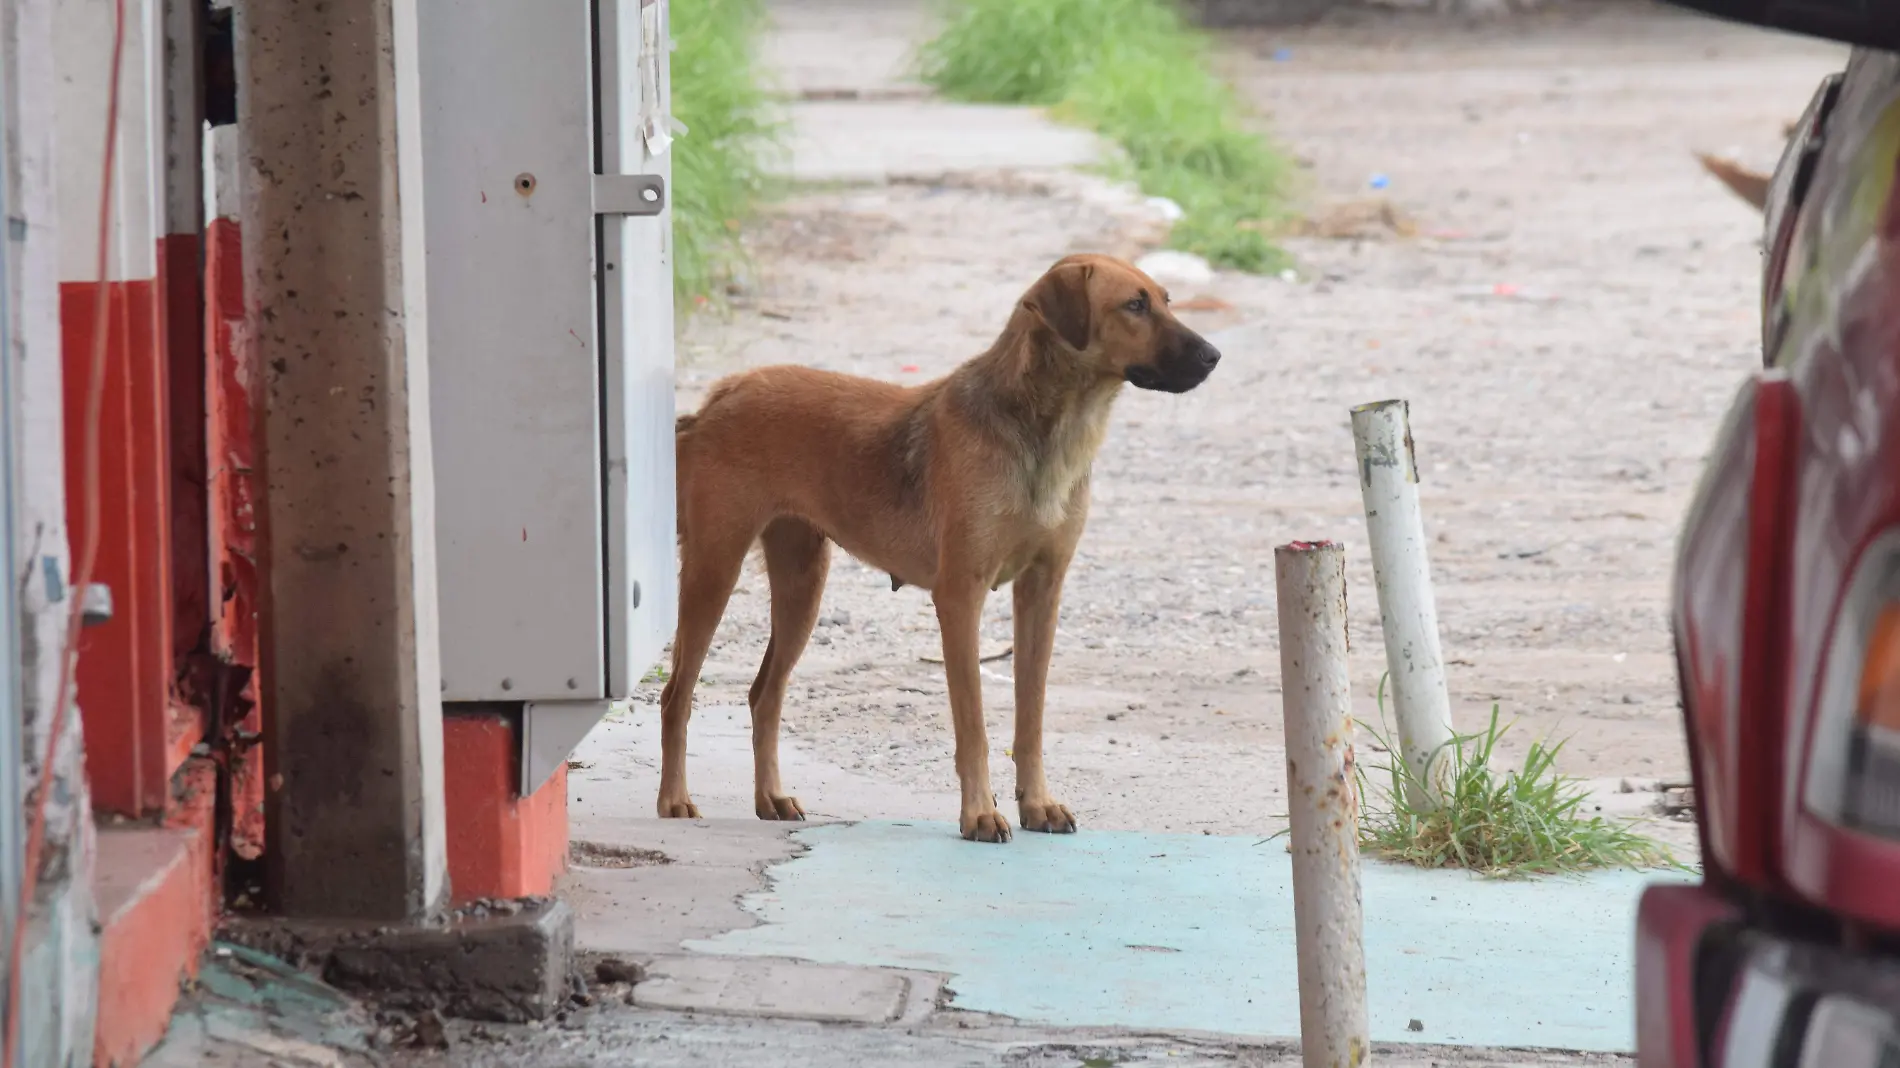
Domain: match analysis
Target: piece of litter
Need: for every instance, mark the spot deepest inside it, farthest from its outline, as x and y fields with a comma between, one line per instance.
x=1378, y=181
x=1170, y=267
x=909, y=368
x=1282, y=55
x=1289, y=275
x=1167, y=209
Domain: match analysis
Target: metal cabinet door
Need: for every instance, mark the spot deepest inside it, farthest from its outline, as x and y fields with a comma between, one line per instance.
x=637, y=337
x=514, y=368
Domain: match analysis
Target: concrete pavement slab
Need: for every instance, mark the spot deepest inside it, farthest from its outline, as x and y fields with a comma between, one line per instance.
x=819, y=47
x=924, y=140
x=616, y=773
x=688, y=887
x=758, y=987
x=1195, y=933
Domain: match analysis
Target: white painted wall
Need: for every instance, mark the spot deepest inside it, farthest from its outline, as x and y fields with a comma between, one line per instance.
x=82, y=43
x=61, y=963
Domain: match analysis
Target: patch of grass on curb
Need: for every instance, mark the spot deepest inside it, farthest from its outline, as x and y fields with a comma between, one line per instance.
x=718, y=176
x=1135, y=72
x=1495, y=822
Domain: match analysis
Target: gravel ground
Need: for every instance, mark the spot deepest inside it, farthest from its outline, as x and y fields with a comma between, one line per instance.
x=1569, y=322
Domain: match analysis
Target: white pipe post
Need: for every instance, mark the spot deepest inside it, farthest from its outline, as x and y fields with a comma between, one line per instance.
x=1322, y=803
x=1408, y=613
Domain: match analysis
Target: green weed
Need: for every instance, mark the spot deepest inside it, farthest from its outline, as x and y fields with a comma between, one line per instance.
x=1134, y=72
x=718, y=176
x=1496, y=822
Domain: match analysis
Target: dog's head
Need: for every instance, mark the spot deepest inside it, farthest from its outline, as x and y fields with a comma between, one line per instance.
x=1111, y=316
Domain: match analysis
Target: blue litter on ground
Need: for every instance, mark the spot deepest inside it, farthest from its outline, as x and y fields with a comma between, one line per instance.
x=1195, y=933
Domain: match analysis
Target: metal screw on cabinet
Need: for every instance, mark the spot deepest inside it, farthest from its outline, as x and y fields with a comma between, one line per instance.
x=573, y=684
x=507, y=684
x=635, y=594
x=524, y=184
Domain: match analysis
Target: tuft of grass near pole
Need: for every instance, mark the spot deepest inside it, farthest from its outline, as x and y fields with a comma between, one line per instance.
x=1498, y=823
x=718, y=176
x=1135, y=72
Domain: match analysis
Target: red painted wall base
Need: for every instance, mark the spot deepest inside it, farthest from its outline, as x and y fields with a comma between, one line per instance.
x=500, y=844
x=156, y=895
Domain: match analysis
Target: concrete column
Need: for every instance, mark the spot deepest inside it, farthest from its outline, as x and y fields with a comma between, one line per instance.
x=333, y=253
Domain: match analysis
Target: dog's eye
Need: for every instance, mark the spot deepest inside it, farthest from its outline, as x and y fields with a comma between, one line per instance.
x=1138, y=305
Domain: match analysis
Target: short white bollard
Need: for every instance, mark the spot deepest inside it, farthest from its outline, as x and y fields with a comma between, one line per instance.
x=1408, y=613
x=1322, y=803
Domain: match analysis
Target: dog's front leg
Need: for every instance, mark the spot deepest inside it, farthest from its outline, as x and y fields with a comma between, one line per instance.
x=1038, y=592
x=959, y=612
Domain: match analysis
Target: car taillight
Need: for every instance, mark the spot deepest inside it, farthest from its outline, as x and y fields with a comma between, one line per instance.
x=1873, y=753
x=1854, y=766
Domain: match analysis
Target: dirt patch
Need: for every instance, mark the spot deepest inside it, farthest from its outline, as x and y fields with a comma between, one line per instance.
x=822, y=235
x=596, y=855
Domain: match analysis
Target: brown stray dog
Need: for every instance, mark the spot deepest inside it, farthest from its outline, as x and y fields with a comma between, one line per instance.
x=955, y=486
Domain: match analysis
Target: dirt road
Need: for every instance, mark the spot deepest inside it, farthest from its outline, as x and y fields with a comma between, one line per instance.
x=1569, y=327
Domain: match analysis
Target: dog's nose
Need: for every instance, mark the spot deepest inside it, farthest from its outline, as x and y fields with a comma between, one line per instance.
x=1208, y=356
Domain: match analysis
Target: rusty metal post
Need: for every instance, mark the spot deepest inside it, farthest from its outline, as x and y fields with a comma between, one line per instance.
x=1322, y=805
x=1408, y=613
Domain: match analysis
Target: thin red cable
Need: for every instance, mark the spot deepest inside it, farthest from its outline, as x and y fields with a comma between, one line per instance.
x=88, y=553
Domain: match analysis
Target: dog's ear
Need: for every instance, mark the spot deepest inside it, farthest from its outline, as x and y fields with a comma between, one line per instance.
x=1061, y=300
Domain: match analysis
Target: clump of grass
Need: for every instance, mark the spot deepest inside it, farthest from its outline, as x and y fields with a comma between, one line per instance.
x=1497, y=822
x=718, y=176
x=1135, y=72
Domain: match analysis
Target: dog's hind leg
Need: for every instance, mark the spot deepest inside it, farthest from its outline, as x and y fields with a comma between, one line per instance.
x=708, y=572
x=797, y=559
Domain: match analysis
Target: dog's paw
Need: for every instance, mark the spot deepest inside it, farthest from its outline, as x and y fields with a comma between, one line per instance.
x=778, y=808
x=989, y=826
x=680, y=809
x=1047, y=816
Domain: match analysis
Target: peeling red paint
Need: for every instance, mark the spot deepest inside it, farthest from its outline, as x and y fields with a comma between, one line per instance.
x=229, y=433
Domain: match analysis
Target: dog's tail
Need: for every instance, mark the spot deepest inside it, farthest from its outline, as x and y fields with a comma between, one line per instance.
x=684, y=424
x=1747, y=184
x=682, y=436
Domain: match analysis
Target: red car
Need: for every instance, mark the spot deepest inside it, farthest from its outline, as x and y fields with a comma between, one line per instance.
x=1787, y=618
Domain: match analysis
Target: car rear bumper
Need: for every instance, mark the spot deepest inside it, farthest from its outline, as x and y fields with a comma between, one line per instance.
x=1673, y=928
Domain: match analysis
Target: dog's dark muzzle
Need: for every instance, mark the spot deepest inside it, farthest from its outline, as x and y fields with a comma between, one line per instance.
x=1179, y=368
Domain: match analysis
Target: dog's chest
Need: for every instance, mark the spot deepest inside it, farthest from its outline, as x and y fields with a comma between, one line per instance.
x=1062, y=465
